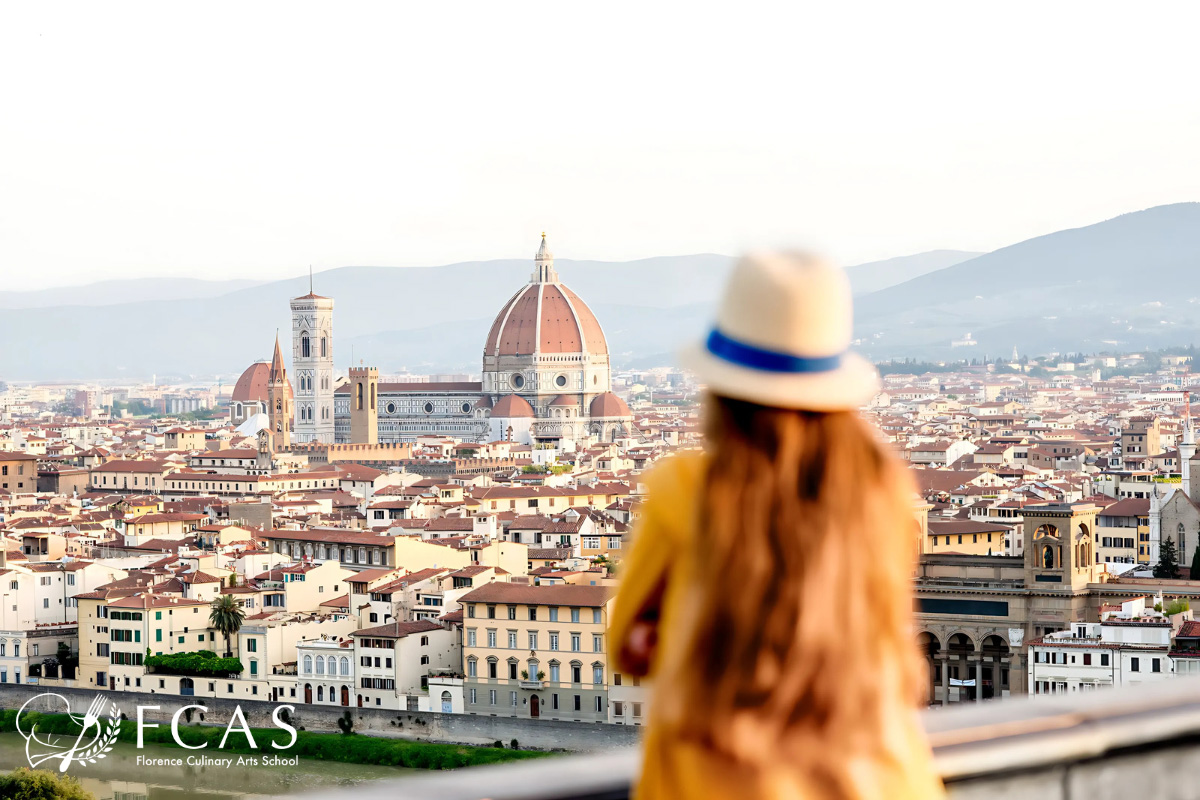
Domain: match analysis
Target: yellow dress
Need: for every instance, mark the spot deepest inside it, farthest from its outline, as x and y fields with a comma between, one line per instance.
x=672, y=770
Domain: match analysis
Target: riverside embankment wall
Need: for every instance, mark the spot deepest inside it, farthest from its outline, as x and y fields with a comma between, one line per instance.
x=423, y=726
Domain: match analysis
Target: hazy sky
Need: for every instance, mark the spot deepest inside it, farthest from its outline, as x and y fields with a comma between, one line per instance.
x=250, y=139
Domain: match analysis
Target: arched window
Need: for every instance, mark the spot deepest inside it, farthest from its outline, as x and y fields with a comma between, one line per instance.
x=308, y=665
x=1048, y=557
x=320, y=666
x=324, y=350
x=359, y=397
x=320, y=691
x=305, y=347
x=345, y=666
x=332, y=666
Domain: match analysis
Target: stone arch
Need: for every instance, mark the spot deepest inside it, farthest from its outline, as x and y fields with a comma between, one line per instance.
x=1083, y=547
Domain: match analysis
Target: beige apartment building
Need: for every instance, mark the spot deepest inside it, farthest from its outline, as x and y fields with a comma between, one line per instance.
x=537, y=651
x=115, y=632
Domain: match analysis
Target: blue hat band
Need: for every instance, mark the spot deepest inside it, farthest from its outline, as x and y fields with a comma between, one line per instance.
x=748, y=355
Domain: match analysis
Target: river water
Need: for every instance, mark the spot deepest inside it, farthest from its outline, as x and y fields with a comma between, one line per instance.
x=119, y=776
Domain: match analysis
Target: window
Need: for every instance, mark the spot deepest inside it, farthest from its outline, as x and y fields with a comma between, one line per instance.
x=252, y=645
x=595, y=616
x=512, y=670
x=533, y=612
x=424, y=660
x=574, y=615
x=1134, y=665
x=533, y=640
x=578, y=702
x=491, y=638
x=597, y=674
x=599, y=704
x=1087, y=659
x=471, y=698
x=470, y=637
x=575, y=642
x=597, y=643
x=637, y=709
x=491, y=697
x=512, y=612
x=1104, y=659
x=491, y=612
x=576, y=673
x=472, y=669
x=554, y=641
x=1155, y=665
x=554, y=615
x=493, y=670
x=512, y=640
x=513, y=698
x=471, y=611
x=554, y=702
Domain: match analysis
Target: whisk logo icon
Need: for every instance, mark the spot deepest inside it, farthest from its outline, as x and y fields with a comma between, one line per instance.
x=91, y=742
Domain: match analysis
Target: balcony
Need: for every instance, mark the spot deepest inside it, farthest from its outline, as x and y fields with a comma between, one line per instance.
x=533, y=684
x=1134, y=742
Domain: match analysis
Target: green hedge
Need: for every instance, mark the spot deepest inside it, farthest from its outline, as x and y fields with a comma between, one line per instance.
x=204, y=662
x=38, y=784
x=353, y=749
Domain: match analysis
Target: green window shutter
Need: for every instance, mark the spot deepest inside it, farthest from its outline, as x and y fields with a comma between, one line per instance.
x=158, y=634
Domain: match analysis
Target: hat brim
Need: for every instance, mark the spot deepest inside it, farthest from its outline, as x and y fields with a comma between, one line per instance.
x=852, y=385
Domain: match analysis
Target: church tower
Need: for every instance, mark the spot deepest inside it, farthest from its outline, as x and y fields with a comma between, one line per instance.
x=1187, y=448
x=364, y=414
x=279, y=403
x=312, y=363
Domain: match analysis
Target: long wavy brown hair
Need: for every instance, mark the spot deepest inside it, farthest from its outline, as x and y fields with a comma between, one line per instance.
x=798, y=633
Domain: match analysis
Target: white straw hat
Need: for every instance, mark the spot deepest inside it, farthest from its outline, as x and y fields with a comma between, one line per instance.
x=782, y=337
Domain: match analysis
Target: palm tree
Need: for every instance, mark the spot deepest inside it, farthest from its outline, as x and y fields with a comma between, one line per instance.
x=226, y=616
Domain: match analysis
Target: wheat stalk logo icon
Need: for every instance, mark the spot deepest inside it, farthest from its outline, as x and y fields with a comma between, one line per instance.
x=41, y=748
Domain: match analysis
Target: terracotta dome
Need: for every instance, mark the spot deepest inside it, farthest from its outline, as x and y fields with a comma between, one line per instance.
x=567, y=325
x=483, y=402
x=608, y=405
x=251, y=387
x=512, y=405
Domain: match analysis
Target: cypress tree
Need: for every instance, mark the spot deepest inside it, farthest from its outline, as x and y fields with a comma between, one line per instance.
x=1168, y=560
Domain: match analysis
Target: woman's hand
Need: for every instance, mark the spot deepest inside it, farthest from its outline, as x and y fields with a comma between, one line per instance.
x=637, y=652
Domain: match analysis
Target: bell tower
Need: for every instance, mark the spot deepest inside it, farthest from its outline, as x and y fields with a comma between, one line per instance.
x=312, y=361
x=364, y=414
x=279, y=402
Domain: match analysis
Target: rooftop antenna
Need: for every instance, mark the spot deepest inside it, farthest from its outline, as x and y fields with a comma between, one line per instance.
x=310, y=282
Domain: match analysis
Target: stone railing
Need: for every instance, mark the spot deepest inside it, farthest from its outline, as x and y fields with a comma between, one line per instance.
x=1118, y=743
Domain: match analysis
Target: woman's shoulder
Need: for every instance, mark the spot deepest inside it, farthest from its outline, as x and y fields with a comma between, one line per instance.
x=677, y=477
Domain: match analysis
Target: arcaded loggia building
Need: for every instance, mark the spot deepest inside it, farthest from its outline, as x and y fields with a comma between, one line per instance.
x=546, y=378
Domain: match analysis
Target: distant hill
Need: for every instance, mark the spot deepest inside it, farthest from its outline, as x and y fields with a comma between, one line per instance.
x=422, y=318
x=1131, y=282
x=103, y=293
x=877, y=275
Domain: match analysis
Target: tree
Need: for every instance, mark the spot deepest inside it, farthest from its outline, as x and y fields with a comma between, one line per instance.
x=1168, y=560
x=1196, y=564
x=226, y=616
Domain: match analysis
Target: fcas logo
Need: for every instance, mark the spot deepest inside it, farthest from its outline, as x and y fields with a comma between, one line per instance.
x=93, y=738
